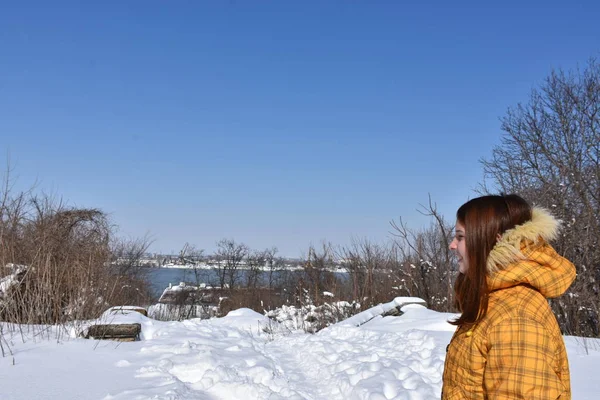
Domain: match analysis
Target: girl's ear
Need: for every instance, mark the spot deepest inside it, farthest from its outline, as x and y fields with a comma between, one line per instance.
x=498, y=237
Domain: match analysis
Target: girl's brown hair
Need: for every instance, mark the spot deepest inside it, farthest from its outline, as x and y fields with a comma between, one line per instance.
x=484, y=218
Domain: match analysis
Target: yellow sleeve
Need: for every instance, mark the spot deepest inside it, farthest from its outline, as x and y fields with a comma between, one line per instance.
x=519, y=362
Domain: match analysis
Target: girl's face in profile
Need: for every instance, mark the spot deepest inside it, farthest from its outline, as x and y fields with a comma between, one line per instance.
x=459, y=246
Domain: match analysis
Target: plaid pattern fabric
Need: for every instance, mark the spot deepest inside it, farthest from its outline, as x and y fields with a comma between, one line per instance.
x=516, y=351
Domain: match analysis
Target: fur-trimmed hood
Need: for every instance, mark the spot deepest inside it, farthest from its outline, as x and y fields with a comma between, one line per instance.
x=508, y=248
x=522, y=255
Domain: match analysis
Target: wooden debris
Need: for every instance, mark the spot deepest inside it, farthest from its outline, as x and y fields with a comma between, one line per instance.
x=119, y=332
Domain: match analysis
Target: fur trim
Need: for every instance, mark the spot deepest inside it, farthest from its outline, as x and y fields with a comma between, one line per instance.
x=508, y=248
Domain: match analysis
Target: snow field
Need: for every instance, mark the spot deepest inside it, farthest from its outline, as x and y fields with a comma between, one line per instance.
x=233, y=358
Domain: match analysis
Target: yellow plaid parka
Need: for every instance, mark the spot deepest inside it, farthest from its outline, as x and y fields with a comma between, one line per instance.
x=516, y=351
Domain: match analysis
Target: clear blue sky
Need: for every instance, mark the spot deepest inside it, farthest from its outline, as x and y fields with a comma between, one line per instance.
x=276, y=123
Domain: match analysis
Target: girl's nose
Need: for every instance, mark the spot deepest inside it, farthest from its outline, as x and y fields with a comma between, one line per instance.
x=453, y=244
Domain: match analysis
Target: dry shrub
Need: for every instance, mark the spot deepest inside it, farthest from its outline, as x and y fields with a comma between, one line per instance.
x=62, y=262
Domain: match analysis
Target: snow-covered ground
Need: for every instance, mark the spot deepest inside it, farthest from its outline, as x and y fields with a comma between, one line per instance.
x=247, y=356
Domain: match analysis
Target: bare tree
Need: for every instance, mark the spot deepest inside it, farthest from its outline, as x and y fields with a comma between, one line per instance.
x=427, y=261
x=127, y=259
x=255, y=263
x=230, y=256
x=318, y=271
x=272, y=264
x=195, y=256
x=550, y=154
x=368, y=266
x=127, y=254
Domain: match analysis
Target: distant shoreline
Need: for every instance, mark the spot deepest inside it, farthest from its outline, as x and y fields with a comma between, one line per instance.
x=209, y=267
